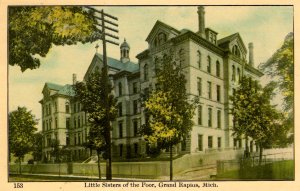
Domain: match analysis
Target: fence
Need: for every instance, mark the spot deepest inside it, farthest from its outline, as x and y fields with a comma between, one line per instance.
x=271, y=155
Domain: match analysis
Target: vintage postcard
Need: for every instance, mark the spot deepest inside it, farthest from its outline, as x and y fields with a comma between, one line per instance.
x=130, y=95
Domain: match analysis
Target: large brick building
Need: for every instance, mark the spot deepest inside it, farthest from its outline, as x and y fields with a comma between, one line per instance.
x=213, y=68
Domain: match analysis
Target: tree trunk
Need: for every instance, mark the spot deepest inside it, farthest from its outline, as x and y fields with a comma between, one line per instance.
x=171, y=163
x=99, y=167
x=247, y=153
x=20, y=166
x=260, y=153
x=108, y=152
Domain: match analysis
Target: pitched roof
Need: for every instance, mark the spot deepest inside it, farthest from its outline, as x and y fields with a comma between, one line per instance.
x=61, y=89
x=114, y=63
x=53, y=86
x=227, y=39
x=158, y=22
x=67, y=90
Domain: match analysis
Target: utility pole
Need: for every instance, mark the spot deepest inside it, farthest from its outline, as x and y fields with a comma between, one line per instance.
x=105, y=24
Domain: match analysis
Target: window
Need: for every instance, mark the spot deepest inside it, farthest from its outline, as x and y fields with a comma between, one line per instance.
x=120, y=88
x=199, y=59
x=78, y=106
x=200, y=115
x=120, y=109
x=233, y=92
x=209, y=90
x=218, y=69
x=121, y=150
x=67, y=106
x=56, y=124
x=43, y=126
x=239, y=74
x=74, y=106
x=219, y=119
x=146, y=72
x=67, y=123
x=78, y=122
x=135, y=128
x=218, y=93
x=219, y=142
x=208, y=64
x=233, y=73
x=79, y=139
x=120, y=130
x=55, y=106
x=46, y=125
x=209, y=122
x=50, y=123
x=135, y=87
x=210, y=142
x=181, y=57
x=156, y=64
x=135, y=107
x=199, y=86
x=200, y=142
x=136, y=147
x=183, y=144
x=67, y=139
x=50, y=109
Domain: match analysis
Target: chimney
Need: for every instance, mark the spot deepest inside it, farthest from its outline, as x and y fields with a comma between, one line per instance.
x=74, y=79
x=201, y=21
x=251, y=59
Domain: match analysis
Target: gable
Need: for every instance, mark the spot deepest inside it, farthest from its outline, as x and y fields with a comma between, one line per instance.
x=95, y=64
x=161, y=33
x=234, y=43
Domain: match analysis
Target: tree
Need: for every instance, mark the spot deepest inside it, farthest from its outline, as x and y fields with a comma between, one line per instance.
x=281, y=65
x=253, y=114
x=21, y=133
x=34, y=29
x=169, y=108
x=38, y=146
x=91, y=95
x=281, y=68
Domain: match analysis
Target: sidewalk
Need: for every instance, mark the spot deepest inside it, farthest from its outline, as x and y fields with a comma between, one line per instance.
x=197, y=173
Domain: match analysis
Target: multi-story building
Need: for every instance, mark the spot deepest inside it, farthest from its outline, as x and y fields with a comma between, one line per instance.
x=213, y=68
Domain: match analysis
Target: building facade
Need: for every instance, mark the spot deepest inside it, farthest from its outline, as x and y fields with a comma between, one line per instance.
x=212, y=66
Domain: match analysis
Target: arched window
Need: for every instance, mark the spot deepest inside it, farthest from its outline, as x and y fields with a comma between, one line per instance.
x=208, y=64
x=218, y=69
x=156, y=64
x=233, y=73
x=239, y=74
x=199, y=59
x=67, y=106
x=120, y=88
x=181, y=57
x=146, y=72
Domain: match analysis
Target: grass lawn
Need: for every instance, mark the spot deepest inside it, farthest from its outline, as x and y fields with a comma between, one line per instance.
x=282, y=170
x=35, y=178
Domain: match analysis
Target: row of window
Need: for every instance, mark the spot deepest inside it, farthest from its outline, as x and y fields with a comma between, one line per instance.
x=135, y=106
x=210, y=142
x=209, y=116
x=235, y=74
x=128, y=149
x=135, y=88
x=46, y=110
x=209, y=89
x=135, y=128
x=209, y=64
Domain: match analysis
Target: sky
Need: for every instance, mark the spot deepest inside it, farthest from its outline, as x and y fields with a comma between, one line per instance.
x=265, y=26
